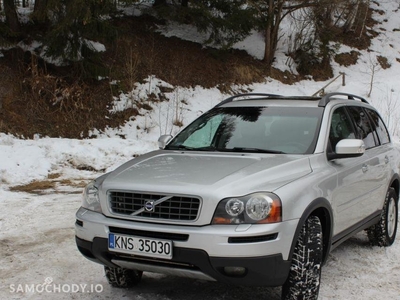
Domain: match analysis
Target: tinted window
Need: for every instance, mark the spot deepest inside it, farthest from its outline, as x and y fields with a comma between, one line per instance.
x=341, y=127
x=380, y=127
x=252, y=129
x=364, y=130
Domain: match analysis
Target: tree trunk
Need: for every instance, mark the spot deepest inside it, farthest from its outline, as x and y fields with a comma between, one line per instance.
x=364, y=19
x=272, y=30
x=11, y=16
x=185, y=3
x=40, y=11
x=268, y=56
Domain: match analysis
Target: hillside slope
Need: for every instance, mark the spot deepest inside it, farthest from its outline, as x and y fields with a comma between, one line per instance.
x=40, y=98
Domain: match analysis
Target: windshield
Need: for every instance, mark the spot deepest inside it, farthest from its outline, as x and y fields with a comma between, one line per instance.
x=290, y=130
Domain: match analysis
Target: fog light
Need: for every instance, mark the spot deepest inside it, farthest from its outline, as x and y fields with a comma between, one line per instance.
x=234, y=271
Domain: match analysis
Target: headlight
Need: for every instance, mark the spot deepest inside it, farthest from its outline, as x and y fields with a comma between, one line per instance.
x=90, y=197
x=258, y=208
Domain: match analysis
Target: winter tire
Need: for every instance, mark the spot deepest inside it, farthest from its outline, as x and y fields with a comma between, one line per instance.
x=383, y=233
x=122, y=278
x=305, y=271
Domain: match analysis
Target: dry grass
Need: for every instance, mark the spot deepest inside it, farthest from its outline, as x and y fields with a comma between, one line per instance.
x=52, y=184
x=245, y=74
x=53, y=176
x=35, y=187
x=285, y=76
x=347, y=59
x=383, y=62
x=74, y=183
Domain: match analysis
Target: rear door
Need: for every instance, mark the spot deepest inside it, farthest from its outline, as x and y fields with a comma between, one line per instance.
x=382, y=157
x=376, y=168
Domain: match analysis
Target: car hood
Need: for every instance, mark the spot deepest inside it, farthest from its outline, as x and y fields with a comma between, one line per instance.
x=205, y=174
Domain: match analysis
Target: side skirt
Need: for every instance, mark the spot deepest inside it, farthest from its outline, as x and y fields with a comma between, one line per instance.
x=348, y=233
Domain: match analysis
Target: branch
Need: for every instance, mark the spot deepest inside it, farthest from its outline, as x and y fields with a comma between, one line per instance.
x=302, y=5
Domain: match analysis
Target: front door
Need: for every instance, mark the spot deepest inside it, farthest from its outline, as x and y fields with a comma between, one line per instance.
x=353, y=186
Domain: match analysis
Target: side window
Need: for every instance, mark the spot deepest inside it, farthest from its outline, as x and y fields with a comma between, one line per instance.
x=341, y=127
x=380, y=127
x=364, y=129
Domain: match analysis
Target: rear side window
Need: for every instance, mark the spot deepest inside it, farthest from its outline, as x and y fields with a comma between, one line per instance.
x=380, y=127
x=364, y=129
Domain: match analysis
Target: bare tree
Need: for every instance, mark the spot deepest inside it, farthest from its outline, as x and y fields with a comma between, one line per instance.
x=374, y=67
x=325, y=14
x=274, y=11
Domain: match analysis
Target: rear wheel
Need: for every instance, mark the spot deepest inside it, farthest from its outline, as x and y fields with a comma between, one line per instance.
x=305, y=272
x=383, y=233
x=122, y=278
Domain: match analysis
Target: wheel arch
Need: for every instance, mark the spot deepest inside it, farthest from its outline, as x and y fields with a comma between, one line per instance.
x=395, y=183
x=321, y=208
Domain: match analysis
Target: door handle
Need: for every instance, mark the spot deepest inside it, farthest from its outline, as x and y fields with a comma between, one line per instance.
x=386, y=159
x=364, y=168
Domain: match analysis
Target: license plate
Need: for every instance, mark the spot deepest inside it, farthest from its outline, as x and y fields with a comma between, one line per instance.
x=140, y=245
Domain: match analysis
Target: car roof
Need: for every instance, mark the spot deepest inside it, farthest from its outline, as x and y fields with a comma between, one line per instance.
x=260, y=99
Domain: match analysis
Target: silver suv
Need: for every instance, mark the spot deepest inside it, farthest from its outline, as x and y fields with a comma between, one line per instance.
x=257, y=191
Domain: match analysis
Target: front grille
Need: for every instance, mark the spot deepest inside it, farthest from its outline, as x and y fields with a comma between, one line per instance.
x=173, y=208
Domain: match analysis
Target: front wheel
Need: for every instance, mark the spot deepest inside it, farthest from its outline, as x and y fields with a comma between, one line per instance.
x=305, y=271
x=383, y=233
x=122, y=278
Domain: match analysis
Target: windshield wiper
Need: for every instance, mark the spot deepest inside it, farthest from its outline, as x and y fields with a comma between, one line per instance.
x=234, y=149
x=207, y=148
x=182, y=147
x=253, y=150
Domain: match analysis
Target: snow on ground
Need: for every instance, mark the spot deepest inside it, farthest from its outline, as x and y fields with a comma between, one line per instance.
x=39, y=259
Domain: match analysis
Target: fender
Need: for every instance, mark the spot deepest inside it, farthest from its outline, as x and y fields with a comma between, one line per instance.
x=394, y=183
x=321, y=208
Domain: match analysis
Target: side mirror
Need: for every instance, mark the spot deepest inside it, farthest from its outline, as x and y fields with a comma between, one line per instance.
x=163, y=140
x=348, y=148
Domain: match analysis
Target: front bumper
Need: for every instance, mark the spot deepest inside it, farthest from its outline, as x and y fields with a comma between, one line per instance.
x=261, y=249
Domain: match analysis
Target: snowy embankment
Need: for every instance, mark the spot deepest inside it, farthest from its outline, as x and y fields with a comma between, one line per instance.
x=37, y=249
x=39, y=256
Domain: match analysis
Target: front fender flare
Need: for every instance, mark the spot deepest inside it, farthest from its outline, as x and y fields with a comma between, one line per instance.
x=321, y=208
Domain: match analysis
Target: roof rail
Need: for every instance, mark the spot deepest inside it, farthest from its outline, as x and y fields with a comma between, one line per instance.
x=259, y=95
x=328, y=97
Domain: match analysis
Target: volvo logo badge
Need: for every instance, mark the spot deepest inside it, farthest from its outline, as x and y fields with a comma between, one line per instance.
x=149, y=206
